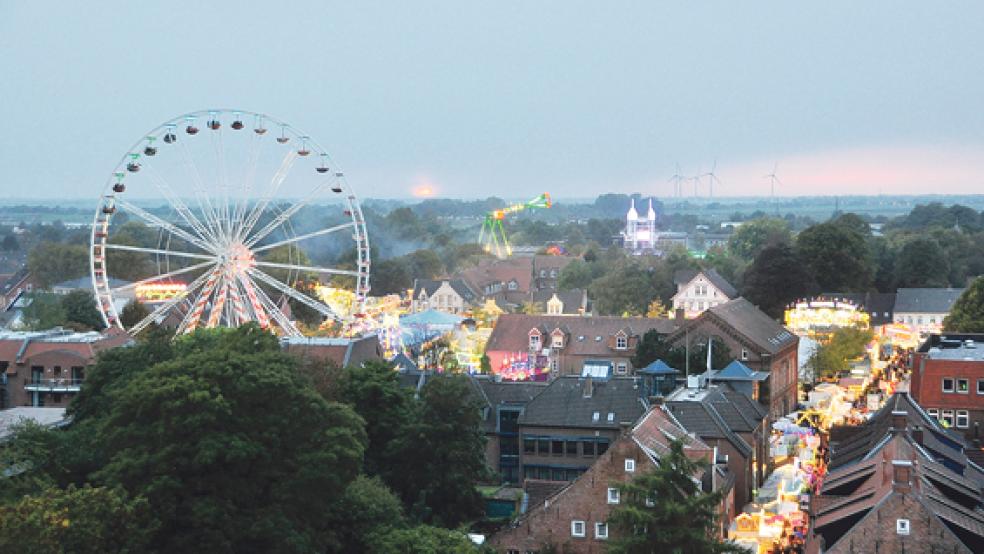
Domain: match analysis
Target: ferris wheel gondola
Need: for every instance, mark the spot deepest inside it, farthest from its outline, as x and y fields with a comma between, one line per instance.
x=233, y=204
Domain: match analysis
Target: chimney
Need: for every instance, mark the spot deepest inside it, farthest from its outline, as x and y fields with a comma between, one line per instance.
x=917, y=434
x=693, y=382
x=901, y=476
x=588, y=387
x=899, y=420
x=678, y=314
x=655, y=400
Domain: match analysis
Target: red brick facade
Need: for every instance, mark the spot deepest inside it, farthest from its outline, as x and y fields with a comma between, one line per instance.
x=950, y=387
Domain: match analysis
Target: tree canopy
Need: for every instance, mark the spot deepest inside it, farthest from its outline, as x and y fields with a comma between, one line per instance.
x=967, y=313
x=777, y=277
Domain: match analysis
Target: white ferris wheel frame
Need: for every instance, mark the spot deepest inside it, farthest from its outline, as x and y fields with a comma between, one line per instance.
x=224, y=229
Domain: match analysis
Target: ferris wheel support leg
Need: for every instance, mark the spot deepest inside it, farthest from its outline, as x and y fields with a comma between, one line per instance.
x=167, y=306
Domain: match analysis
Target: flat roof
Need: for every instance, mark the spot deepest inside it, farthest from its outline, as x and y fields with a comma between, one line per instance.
x=52, y=335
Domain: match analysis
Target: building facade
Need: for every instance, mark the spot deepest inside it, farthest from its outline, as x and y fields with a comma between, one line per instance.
x=948, y=381
x=923, y=310
x=450, y=296
x=757, y=341
x=700, y=290
x=561, y=345
x=47, y=368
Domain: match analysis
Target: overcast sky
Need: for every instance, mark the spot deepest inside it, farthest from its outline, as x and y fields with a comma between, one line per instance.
x=514, y=98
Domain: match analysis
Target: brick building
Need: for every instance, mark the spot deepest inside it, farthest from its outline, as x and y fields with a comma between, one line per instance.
x=503, y=402
x=948, y=380
x=47, y=368
x=572, y=422
x=755, y=339
x=452, y=296
x=899, y=483
x=700, y=290
x=733, y=424
x=597, y=345
x=575, y=519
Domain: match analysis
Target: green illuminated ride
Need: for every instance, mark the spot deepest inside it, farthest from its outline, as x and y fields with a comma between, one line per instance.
x=492, y=237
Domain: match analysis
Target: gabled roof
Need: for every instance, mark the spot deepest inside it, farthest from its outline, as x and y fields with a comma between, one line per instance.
x=737, y=371
x=430, y=286
x=925, y=300
x=563, y=403
x=684, y=276
x=747, y=320
x=518, y=269
x=657, y=428
x=511, y=332
x=703, y=417
x=659, y=367
x=572, y=300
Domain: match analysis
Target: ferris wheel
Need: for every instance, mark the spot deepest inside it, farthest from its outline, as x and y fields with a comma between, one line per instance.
x=222, y=217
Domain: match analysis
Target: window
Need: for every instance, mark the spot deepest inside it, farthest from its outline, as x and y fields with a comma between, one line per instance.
x=744, y=354
x=529, y=446
x=553, y=365
x=512, y=285
x=947, y=418
x=963, y=419
x=601, y=530
x=948, y=384
x=621, y=368
x=650, y=503
x=558, y=448
x=570, y=448
x=553, y=273
x=629, y=465
x=980, y=386
x=557, y=342
x=963, y=387
x=588, y=448
x=621, y=342
x=543, y=273
x=535, y=341
x=611, y=417
x=602, y=447
x=543, y=447
x=595, y=417
x=613, y=495
x=902, y=526
x=577, y=528
x=933, y=413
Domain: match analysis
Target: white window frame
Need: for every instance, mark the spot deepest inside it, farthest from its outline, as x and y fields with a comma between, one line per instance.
x=965, y=416
x=574, y=525
x=629, y=465
x=933, y=413
x=956, y=384
x=535, y=341
x=556, y=341
x=980, y=386
x=953, y=384
x=902, y=526
x=596, y=417
x=744, y=355
x=601, y=530
x=621, y=342
x=611, y=417
x=614, y=495
x=622, y=368
x=948, y=417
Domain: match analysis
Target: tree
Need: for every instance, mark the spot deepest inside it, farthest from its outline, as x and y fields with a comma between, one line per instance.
x=425, y=264
x=529, y=307
x=921, y=263
x=10, y=243
x=628, y=288
x=656, y=309
x=576, y=275
x=80, y=308
x=838, y=256
x=391, y=277
x=967, y=313
x=44, y=312
x=422, y=539
x=777, y=277
x=233, y=450
x=651, y=347
x=833, y=356
x=442, y=454
x=133, y=313
x=664, y=510
x=51, y=263
x=367, y=507
x=749, y=239
x=79, y=520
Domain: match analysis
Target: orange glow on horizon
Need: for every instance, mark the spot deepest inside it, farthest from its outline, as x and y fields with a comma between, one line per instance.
x=423, y=191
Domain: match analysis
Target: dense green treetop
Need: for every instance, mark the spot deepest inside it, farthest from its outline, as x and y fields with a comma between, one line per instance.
x=967, y=313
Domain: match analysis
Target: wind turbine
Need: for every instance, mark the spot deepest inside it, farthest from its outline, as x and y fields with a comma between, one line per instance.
x=772, y=177
x=711, y=178
x=696, y=179
x=675, y=179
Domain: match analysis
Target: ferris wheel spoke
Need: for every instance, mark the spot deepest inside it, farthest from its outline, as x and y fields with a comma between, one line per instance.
x=296, y=295
x=160, y=252
x=304, y=237
x=179, y=205
x=249, y=176
x=201, y=192
x=282, y=320
x=313, y=269
x=158, y=222
x=191, y=319
x=162, y=276
x=167, y=306
x=284, y=216
x=275, y=183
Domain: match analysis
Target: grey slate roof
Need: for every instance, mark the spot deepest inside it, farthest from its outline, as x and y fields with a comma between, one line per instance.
x=879, y=305
x=509, y=392
x=684, y=276
x=927, y=301
x=563, y=404
x=704, y=419
x=745, y=318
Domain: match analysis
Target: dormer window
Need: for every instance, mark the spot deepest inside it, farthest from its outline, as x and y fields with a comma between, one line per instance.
x=621, y=342
x=513, y=285
x=553, y=273
x=534, y=340
x=557, y=340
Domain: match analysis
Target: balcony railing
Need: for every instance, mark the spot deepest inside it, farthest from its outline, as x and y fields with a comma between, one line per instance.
x=54, y=385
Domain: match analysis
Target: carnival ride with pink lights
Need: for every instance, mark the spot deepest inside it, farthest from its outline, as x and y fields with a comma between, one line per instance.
x=232, y=197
